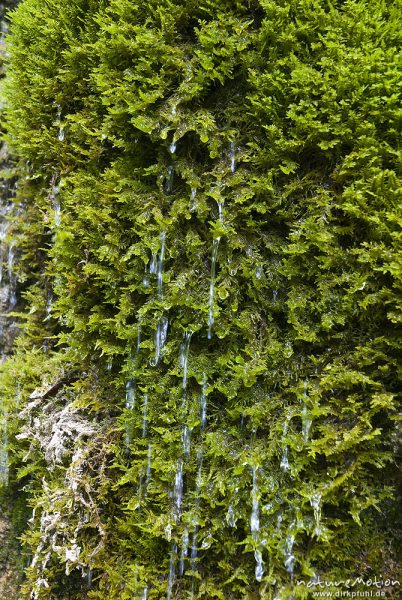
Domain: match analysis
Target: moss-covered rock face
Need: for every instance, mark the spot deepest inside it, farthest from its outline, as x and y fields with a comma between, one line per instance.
x=209, y=241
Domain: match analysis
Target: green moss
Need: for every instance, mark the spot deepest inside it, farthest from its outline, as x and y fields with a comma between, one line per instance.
x=260, y=134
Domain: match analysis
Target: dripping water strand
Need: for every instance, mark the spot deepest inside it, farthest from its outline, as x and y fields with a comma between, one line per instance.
x=285, y=466
x=194, y=541
x=215, y=248
x=172, y=571
x=306, y=418
x=160, y=339
x=184, y=352
x=288, y=553
x=255, y=527
x=160, y=265
x=232, y=155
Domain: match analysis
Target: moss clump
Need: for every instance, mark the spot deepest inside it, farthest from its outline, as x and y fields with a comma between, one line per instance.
x=209, y=259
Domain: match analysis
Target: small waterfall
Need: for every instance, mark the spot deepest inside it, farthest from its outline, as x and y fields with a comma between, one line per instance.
x=306, y=418
x=203, y=403
x=285, y=466
x=160, y=339
x=232, y=156
x=56, y=206
x=231, y=516
x=259, y=565
x=159, y=272
x=186, y=440
x=145, y=416
x=184, y=351
x=215, y=248
x=172, y=148
x=153, y=265
x=255, y=527
x=60, y=135
x=49, y=306
x=148, y=469
x=220, y=211
x=4, y=463
x=172, y=571
x=259, y=272
x=184, y=551
x=315, y=502
x=131, y=385
x=130, y=394
x=194, y=541
x=193, y=203
x=178, y=488
x=255, y=512
x=144, y=593
x=288, y=553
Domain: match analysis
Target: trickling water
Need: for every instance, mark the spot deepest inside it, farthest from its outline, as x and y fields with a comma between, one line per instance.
x=172, y=571
x=306, y=423
x=49, y=306
x=231, y=516
x=215, y=248
x=138, y=347
x=186, y=440
x=285, y=459
x=306, y=418
x=232, y=154
x=288, y=553
x=285, y=454
x=255, y=512
x=203, y=403
x=145, y=281
x=149, y=465
x=160, y=265
x=172, y=148
x=130, y=394
x=274, y=296
x=145, y=416
x=193, y=204
x=178, y=488
x=194, y=541
x=144, y=594
x=220, y=211
x=160, y=339
x=55, y=200
x=153, y=265
x=184, y=551
x=61, y=128
x=315, y=502
x=184, y=350
x=259, y=565
x=255, y=527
